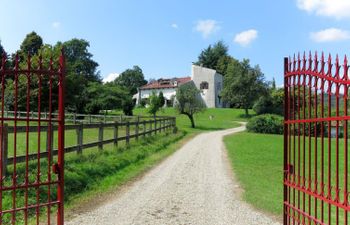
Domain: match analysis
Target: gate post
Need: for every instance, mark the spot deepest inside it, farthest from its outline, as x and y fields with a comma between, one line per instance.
x=285, y=141
x=60, y=161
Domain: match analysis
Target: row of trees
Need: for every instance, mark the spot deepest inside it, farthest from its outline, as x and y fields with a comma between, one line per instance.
x=85, y=92
x=244, y=85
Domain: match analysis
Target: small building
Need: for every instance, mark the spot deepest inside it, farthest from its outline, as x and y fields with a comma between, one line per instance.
x=208, y=81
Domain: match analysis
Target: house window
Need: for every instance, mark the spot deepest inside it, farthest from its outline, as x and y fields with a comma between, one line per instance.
x=204, y=85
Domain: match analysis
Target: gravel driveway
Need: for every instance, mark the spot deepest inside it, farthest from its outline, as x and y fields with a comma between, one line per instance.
x=193, y=186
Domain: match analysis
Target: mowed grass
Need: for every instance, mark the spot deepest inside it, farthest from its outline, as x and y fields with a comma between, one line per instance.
x=98, y=171
x=221, y=118
x=93, y=172
x=257, y=161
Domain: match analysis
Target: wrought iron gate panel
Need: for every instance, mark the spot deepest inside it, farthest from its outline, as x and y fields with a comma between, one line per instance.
x=316, y=140
x=31, y=163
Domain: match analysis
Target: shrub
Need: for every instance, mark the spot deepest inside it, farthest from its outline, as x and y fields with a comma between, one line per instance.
x=266, y=123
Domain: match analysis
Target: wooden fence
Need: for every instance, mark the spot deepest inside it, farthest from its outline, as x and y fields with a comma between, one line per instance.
x=76, y=117
x=141, y=128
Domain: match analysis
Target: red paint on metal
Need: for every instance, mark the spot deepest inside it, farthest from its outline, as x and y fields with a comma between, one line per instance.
x=32, y=191
x=315, y=159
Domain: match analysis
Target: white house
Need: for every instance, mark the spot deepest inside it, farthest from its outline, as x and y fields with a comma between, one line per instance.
x=207, y=80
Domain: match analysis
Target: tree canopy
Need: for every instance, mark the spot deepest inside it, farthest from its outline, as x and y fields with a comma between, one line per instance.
x=243, y=84
x=210, y=56
x=188, y=101
x=31, y=44
x=131, y=79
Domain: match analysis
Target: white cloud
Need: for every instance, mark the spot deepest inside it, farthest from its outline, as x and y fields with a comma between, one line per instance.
x=330, y=35
x=207, y=27
x=246, y=37
x=56, y=25
x=332, y=8
x=174, y=25
x=111, y=77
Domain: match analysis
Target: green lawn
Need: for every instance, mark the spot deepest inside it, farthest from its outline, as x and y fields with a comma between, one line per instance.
x=257, y=161
x=95, y=172
x=221, y=118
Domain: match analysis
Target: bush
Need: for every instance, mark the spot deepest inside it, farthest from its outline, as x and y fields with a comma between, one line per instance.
x=266, y=123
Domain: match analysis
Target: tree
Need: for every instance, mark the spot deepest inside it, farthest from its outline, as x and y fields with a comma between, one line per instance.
x=131, y=79
x=154, y=103
x=243, y=85
x=104, y=97
x=31, y=44
x=210, y=56
x=224, y=63
x=81, y=69
x=188, y=101
x=2, y=50
x=161, y=99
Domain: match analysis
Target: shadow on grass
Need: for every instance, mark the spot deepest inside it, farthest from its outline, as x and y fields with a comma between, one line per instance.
x=207, y=128
x=244, y=116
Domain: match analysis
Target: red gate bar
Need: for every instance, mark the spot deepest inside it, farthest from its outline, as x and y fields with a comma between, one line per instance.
x=316, y=140
x=31, y=191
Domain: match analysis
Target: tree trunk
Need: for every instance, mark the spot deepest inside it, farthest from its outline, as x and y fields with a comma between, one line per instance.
x=192, y=121
x=246, y=112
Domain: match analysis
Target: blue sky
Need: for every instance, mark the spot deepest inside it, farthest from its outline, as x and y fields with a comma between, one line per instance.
x=164, y=37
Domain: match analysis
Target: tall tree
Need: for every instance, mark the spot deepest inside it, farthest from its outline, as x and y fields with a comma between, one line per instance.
x=243, y=85
x=210, y=56
x=31, y=44
x=131, y=79
x=81, y=69
x=2, y=50
x=188, y=101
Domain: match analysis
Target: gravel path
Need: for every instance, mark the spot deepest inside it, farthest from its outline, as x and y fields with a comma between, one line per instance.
x=193, y=186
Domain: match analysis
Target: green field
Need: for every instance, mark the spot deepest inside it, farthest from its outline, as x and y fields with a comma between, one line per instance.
x=96, y=172
x=221, y=118
x=257, y=160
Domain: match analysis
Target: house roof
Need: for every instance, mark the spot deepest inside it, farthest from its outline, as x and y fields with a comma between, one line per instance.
x=166, y=83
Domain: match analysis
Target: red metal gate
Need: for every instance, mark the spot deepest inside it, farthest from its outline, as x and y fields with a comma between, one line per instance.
x=316, y=140
x=31, y=161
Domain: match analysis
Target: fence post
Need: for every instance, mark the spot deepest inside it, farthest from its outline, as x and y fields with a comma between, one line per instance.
x=137, y=130
x=75, y=118
x=4, y=149
x=116, y=133
x=90, y=119
x=121, y=118
x=104, y=118
x=144, y=129
x=155, y=125
x=150, y=128
x=49, y=141
x=127, y=139
x=100, y=136
x=80, y=131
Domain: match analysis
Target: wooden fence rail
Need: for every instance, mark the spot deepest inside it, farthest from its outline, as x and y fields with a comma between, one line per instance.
x=154, y=125
x=76, y=117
